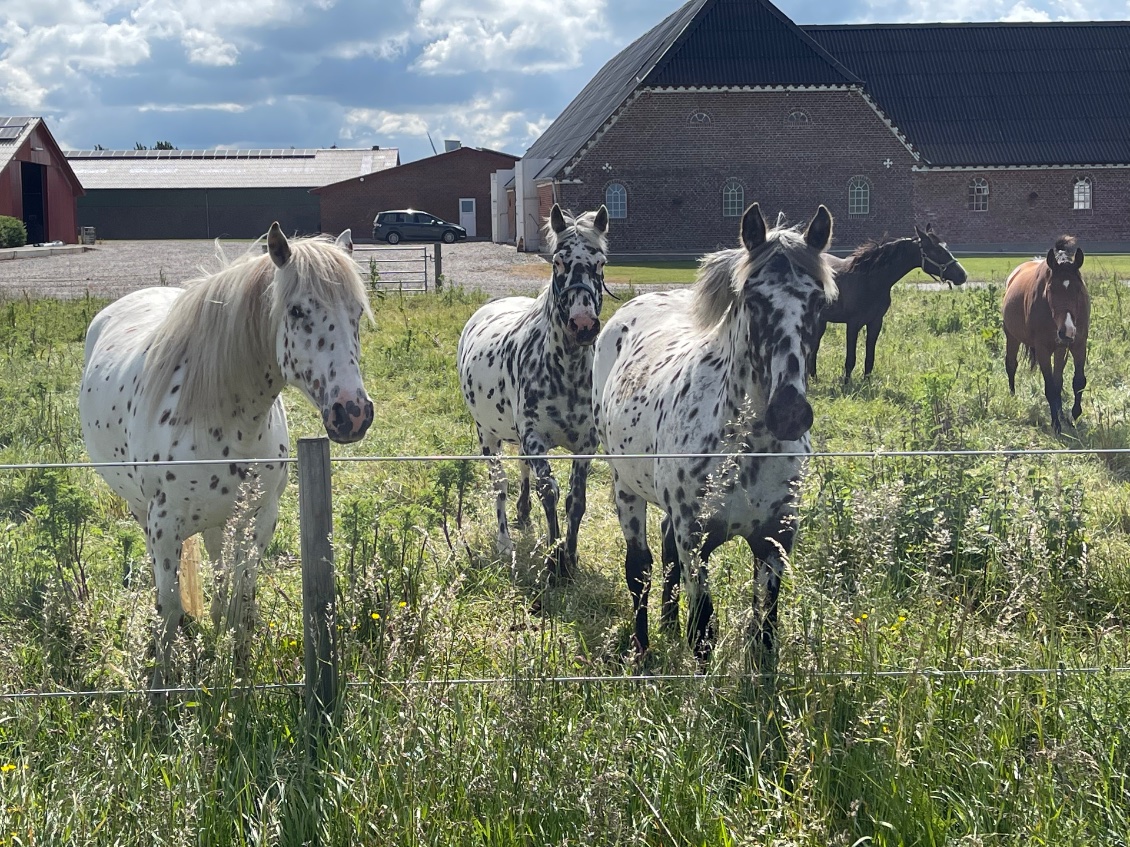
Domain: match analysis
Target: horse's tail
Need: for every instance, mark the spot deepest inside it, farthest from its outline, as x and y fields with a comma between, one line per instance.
x=191, y=594
x=1031, y=356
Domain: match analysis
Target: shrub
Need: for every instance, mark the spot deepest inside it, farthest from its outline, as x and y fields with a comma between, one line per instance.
x=13, y=233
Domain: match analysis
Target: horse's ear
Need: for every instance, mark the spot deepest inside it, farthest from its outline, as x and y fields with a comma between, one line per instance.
x=753, y=228
x=1079, y=258
x=1052, y=262
x=819, y=233
x=345, y=241
x=277, y=245
x=919, y=234
x=929, y=227
x=557, y=219
x=780, y=220
x=601, y=219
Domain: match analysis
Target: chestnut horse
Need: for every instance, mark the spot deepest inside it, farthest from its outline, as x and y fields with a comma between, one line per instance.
x=1047, y=309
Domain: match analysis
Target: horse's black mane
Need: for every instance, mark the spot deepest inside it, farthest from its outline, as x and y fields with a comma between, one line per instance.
x=1065, y=247
x=872, y=254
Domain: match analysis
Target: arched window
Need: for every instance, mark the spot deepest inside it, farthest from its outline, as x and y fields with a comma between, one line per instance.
x=797, y=117
x=699, y=118
x=978, y=194
x=616, y=199
x=733, y=199
x=1082, y=194
x=859, y=196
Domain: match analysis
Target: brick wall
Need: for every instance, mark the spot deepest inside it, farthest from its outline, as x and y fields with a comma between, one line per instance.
x=434, y=185
x=1027, y=209
x=675, y=168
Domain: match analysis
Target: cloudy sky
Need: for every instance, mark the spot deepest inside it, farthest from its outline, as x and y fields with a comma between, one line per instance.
x=312, y=73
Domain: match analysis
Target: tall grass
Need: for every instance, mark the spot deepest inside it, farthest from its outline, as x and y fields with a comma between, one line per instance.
x=949, y=569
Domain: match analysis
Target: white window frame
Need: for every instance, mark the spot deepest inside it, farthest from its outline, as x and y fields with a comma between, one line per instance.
x=978, y=194
x=859, y=196
x=733, y=199
x=1083, y=194
x=700, y=118
x=616, y=200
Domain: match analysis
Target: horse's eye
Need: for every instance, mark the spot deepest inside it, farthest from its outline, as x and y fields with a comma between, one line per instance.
x=296, y=313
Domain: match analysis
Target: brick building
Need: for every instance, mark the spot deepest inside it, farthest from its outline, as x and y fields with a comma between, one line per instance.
x=995, y=133
x=454, y=185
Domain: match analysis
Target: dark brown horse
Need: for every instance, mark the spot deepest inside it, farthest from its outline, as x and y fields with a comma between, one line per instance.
x=865, y=279
x=1047, y=308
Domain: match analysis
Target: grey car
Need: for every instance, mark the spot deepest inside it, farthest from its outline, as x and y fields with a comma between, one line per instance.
x=412, y=225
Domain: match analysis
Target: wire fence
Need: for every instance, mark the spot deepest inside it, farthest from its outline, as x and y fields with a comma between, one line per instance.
x=636, y=679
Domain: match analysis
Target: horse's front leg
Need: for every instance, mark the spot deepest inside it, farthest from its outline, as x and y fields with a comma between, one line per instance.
x=821, y=328
x=770, y=552
x=873, y=330
x=672, y=574
x=694, y=548
x=849, y=356
x=221, y=576
x=575, y=504
x=1079, y=379
x=631, y=511
x=536, y=447
x=164, y=541
x=523, y=504
x=1053, y=388
x=492, y=448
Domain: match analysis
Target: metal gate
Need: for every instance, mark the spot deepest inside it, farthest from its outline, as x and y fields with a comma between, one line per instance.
x=403, y=269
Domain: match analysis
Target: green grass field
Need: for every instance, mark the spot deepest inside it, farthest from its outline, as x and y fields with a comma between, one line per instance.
x=967, y=566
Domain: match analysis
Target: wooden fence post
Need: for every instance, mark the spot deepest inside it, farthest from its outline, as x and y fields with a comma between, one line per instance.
x=318, y=589
x=439, y=269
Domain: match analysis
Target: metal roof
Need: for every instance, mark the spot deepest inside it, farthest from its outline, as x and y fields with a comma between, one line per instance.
x=13, y=133
x=746, y=42
x=608, y=90
x=280, y=168
x=997, y=93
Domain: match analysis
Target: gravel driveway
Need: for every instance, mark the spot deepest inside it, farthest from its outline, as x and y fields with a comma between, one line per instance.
x=113, y=268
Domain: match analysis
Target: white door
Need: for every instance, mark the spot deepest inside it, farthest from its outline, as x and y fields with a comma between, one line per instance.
x=467, y=215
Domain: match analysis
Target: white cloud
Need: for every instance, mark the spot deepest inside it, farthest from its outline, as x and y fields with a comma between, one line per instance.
x=391, y=47
x=206, y=48
x=461, y=36
x=232, y=108
x=1023, y=12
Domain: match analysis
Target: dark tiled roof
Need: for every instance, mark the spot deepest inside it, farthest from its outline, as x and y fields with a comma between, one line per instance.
x=997, y=94
x=606, y=91
x=746, y=42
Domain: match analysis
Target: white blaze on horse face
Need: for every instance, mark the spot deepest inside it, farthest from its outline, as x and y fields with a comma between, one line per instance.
x=1069, y=327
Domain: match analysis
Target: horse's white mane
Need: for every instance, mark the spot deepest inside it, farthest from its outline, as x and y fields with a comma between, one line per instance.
x=722, y=275
x=582, y=226
x=218, y=332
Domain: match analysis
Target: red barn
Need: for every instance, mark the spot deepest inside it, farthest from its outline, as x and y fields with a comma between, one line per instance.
x=36, y=183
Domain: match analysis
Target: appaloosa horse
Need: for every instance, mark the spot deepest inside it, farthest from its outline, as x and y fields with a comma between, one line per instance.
x=715, y=369
x=865, y=279
x=194, y=374
x=1047, y=309
x=525, y=367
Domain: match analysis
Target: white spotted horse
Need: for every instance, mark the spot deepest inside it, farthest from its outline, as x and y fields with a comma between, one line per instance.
x=175, y=375
x=685, y=380
x=525, y=368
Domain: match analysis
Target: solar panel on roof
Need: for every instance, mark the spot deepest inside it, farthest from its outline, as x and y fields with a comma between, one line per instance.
x=10, y=133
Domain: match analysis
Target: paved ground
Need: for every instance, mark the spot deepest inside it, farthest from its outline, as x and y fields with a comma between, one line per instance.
x=113, y=268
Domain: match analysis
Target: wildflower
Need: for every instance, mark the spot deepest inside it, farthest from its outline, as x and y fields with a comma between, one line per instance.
x=7, y=767
x=403, y=604
x=375, y=616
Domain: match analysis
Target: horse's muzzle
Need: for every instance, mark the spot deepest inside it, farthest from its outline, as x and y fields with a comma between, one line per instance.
x=789, y=415
x=586, y=334
x=348, y=422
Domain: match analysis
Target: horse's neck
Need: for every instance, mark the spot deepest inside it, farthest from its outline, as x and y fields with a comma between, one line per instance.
x=557, y=337
x=742, y=385
x=905, y=255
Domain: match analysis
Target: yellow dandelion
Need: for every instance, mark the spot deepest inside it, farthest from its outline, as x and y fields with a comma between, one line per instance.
x=403, y=604
x=375, y=616
x=859, y=620
x=864, y=616
x=7, y=767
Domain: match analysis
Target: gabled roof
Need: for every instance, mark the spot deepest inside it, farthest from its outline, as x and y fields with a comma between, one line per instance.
x=705, y=42
x=997, y=93
x=281, y=168
x=424, y=164
x=14, y=135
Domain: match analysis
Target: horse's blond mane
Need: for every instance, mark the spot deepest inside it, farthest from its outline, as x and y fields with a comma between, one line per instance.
x=722, y=275
x=220, y=334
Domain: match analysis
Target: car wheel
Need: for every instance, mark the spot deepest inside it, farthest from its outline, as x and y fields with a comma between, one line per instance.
x=448, y=237
x=393, y=238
